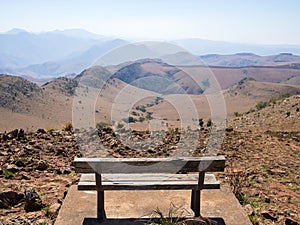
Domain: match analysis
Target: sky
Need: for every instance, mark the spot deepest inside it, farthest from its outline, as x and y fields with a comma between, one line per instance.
x=252, y=21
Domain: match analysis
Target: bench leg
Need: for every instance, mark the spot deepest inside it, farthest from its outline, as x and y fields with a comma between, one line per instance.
x=100, y=206
x=195, y=202
x=100, y=199
x=195, y=198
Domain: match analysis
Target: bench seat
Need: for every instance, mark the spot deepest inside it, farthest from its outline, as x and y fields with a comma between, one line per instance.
x=182, y=173
x=147, y=182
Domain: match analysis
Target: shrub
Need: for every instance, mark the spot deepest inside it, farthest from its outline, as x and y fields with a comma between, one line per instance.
x=201, y=122
x=237, y=114
x=262, y=105
x=149, y=115
x=120, y=125
x=209, y=123
x=8, y=174
x=102, y=125
x=131, y=119
x=68, y=126
x=135, y=113
x=141, y=108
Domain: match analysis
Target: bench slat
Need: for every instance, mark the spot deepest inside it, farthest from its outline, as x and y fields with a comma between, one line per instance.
x=150, y=165
x=147, y=182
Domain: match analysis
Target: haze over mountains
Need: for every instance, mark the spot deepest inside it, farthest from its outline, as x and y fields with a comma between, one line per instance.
x=40, y=56
x=59, y=60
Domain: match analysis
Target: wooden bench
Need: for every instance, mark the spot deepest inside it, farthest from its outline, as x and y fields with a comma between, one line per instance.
x=186, y=173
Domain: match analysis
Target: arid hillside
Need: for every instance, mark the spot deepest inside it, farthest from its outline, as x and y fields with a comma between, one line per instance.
x=262, y=165
x=26, y=105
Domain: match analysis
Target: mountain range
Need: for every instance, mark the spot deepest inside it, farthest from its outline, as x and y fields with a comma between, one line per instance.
x=42, y=56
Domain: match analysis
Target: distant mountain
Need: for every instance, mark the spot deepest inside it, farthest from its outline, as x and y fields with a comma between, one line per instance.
x=137, y=51
x=250, y=59
x=38, y=48
x=51, y=54
x=80, y=33
x=199, y=46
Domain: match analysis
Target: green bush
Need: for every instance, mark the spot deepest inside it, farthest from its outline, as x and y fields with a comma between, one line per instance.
x=209, y=123
x=237, y=114
x=68, y=126
x=262, y=105
x=201, y=122
x=141, y=108
x=102, y=125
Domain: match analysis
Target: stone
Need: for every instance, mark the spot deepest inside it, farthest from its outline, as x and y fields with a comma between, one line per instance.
x=14, y=133
x=289, y=221
x=9, y=199
x=268, y=215
x=12, y=168
x=53, y=210
x=42, y=131
x=42, y=165
x=33, y=201
x=21, y=133
x=249, y=209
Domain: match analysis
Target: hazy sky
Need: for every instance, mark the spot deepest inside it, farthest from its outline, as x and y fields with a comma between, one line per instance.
x=251, y=21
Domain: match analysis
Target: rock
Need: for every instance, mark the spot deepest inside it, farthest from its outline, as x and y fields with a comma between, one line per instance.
x=67, y=171
x=42, y=165
x=4, y=136
x=289, y=221
x=249, y=209
x=9, y=199
x=14, y=133
x=53, y=210
x=259, y=180
x=229, y=129
x=267, y=200
x=12, y=168
x=277, y=172
x=21, y=133
x=42, y=131
x=268, y=215
x=18, y=220
x=33, y=201
x=23, y=176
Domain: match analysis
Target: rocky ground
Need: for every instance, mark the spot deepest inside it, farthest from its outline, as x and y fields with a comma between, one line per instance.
x=262, y=168
x=38, y=161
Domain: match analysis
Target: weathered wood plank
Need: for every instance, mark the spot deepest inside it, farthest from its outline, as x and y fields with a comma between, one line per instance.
x=150, y=165
x=145, y=182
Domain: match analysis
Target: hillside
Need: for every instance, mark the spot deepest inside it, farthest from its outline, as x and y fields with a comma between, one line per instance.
x=18, y=94
x=27, y=105
x=158, y=77
x=228, y=77
x=275, y=115
x=261, y=166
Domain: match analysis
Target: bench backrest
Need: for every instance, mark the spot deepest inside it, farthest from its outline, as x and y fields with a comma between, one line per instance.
x=150, y=165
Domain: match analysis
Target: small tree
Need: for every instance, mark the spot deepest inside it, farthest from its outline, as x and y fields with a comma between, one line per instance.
x=209, y=123
x=201, y=122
